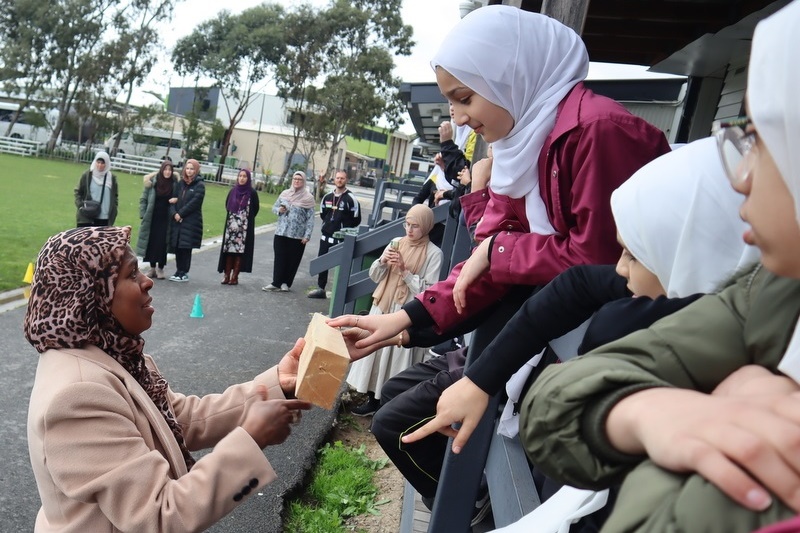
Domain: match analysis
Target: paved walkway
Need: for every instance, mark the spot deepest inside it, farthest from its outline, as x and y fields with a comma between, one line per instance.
x=245, y=330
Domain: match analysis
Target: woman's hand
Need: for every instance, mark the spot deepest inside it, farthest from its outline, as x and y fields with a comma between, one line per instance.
x=173, y=200
x=388, y=255
x=287, y=368
x=379, y=328
x=397, y=261
x=463, y=402
x=438, y=196
x=476, y=265
x=178, y=218
x=268, y=421
x=303, y=241
x=742, y=444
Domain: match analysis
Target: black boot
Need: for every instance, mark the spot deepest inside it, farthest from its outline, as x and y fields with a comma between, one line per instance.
x=367, y=408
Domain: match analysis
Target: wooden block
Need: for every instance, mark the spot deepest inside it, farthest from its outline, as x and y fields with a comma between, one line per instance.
x=323, y=364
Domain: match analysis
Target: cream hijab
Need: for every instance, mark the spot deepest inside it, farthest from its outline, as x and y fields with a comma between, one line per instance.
x=679, y=216
x=525, y=63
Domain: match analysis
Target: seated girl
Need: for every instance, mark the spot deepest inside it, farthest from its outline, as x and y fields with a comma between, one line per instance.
x=679, y=227
x=648, y=408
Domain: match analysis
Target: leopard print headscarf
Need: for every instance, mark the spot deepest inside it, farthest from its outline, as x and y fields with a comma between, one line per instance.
x=70, y=307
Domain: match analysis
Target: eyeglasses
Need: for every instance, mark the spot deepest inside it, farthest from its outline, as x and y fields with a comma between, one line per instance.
x=734, y=144
x=410, y=226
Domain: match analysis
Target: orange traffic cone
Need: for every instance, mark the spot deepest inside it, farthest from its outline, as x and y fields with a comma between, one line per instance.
x=197, y=309
x=28, y=274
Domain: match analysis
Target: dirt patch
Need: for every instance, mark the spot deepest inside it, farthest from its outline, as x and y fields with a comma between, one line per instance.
x=354, y=431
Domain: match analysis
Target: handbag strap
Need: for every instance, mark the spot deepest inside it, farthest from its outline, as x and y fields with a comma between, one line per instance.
x=102, y=191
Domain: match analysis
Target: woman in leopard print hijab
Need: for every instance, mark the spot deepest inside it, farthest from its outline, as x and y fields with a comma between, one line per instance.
x=70, y=307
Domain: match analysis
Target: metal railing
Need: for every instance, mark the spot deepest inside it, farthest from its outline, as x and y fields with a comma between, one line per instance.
x=508, y=473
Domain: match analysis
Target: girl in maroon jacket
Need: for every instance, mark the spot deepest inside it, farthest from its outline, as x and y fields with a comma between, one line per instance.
x=559, y=152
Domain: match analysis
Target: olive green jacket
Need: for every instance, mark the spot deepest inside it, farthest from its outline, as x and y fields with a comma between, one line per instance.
x=563, y=415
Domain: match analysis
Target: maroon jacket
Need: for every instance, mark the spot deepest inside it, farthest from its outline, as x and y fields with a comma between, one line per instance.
x=595, y=145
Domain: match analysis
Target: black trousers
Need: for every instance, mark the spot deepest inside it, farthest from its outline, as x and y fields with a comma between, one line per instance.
x=288, y=254
x=324, y=246
x=183, y=260
x=408, y=401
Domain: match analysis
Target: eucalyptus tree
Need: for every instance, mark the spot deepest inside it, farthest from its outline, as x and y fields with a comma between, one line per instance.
x=237, y=52
x=359, y=88
x=25, y=50
x=79, y=57
x=306, y=41
x=134, y=52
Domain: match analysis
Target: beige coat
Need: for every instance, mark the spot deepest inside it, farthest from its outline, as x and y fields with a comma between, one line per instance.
x=105, y=460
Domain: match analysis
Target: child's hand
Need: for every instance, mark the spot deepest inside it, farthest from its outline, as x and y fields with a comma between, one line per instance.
x=445, y=131
x=462, y=402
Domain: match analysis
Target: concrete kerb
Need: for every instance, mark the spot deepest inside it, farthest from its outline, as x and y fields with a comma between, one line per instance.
x=18, y=297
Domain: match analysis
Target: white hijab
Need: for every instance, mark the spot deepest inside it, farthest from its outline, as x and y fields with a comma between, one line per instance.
x=461, y=135
x=525, y=63
x=772, y=83
x=679, y=216
x=97, y=176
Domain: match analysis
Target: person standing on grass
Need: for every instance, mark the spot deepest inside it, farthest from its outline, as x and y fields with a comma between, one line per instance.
x=99, y=185
x=338, y=209
x=236, y=252
x=295, y=210
x=154, y=214
x=187, y=218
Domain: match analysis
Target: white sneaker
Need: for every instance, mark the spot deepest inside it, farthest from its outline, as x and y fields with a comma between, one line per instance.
x=160, y=273
x=284, y=288
x=151, y=273
x=270, y=288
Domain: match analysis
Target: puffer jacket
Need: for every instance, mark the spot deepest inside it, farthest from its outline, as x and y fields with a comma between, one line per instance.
x=563, y=414
x=189, y=232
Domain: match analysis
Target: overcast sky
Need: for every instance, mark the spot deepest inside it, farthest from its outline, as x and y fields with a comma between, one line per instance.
x=431, y=20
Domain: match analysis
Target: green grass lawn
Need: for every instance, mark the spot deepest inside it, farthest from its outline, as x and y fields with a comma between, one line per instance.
x=37, y=201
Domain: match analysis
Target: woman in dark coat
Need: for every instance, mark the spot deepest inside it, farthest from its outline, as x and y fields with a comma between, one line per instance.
x=186, y=212
x=154, y=209
x=236, y=252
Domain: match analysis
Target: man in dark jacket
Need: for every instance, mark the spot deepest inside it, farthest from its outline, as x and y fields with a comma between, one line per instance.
x=338, y=209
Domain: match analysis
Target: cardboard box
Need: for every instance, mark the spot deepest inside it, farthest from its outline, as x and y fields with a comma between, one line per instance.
x=323, y=364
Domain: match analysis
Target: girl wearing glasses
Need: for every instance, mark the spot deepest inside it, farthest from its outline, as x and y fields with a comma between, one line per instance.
x=405, y=268
x=699, y=414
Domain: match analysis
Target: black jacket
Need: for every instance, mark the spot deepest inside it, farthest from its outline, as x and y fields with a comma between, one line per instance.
x=189, y=232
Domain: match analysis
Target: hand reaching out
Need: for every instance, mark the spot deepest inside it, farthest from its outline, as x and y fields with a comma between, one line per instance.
x=462, y=402
x=381, y=331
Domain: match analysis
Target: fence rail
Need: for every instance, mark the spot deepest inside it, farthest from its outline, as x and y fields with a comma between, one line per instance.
x=23, y=147
x=133, y=164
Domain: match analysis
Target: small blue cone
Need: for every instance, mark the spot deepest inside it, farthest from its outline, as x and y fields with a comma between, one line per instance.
x=197, y=309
